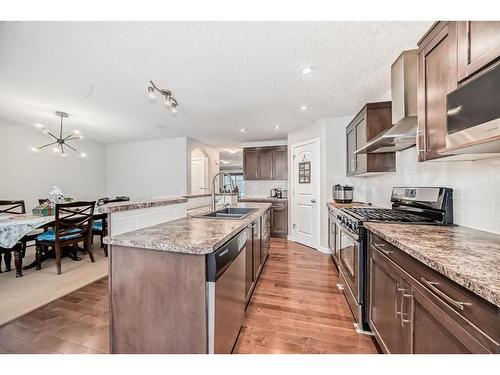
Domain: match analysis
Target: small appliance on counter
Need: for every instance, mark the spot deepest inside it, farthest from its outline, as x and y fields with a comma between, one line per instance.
x=279, y=193
x=342, y=194
x=273, y=193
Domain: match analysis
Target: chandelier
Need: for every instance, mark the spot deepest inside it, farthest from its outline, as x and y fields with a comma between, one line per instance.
x=60, y=142
x=169, y=101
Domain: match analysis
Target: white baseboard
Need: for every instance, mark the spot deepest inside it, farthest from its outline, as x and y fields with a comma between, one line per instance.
x=324, y=250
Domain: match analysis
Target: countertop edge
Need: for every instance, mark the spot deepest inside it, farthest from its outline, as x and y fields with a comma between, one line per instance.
x=472, y=286
x=135, y=205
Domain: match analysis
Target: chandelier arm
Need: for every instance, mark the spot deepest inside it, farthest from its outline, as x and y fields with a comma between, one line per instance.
x=71, y=139
x=74, y=149
x=52, y=135
x=60, y=130
x=70, y=135
x=47, y=145
x=154, y=86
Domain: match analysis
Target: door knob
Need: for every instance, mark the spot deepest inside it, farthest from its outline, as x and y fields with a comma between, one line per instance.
x=313, y=200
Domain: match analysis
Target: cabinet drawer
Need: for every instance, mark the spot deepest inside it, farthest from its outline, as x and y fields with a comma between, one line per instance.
x=475, y=314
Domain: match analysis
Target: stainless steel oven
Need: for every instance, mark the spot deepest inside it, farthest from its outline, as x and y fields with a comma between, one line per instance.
x=351, y=262
x=332, y=236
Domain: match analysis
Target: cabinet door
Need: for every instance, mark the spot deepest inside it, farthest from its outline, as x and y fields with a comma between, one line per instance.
x=478, y=46
x=435, y=332
x=256, y=253
x=351, y=147
x=279, y=221
x=248, y=263
x=266, y=164
x=387, y=291
x=250, y=164
x=280, y=163
x=361, y=159
x=437, y=76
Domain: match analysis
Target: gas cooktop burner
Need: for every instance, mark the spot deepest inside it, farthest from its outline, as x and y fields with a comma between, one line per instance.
x=383, y=214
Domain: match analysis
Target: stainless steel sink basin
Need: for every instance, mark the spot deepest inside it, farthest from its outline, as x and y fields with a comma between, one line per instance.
x=235, y=213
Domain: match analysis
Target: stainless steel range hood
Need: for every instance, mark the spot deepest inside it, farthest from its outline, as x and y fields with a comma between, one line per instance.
x=403, y=134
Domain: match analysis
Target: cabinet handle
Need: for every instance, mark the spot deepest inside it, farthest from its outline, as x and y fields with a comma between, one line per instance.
x=397, y=289
x=403, y=320
x=386, y=252
x=451, y=301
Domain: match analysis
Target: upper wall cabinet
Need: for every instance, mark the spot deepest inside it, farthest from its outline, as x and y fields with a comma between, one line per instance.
x=265, y=163
x=371, y=121
x=437, y=76
x=478, y=44
x=452, y=53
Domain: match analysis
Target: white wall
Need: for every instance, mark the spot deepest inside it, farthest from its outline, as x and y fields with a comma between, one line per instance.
x=213, y=163
x=147, y=169
x=315, y=130
x=263, y=188
x=476, y=184
x=29, y=176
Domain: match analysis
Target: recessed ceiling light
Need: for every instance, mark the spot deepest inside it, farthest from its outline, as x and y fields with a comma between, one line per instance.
x=307, y=70
x=243, y=130
x=231, y=151
x=38, y=125
x=304, y=107
x=277, y=127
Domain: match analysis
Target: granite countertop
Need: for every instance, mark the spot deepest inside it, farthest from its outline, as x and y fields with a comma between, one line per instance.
x=263, y=199
x=191, y=235
x=134, y=205
x=205, y=195
x=335, y=205
x=467, y=256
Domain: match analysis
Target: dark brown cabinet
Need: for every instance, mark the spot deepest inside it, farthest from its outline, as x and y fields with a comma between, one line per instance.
x=478, y=45
x=279, y=221
x=414, y=309
x=265, y=163
x=280, y=165
x=251, y=164
x=450, y=54
x=370, y=122
x=437, y=76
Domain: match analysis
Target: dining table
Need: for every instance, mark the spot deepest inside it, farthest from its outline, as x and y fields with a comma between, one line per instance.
x=14, y=227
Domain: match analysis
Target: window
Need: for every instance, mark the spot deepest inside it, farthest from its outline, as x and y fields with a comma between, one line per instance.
x=237, y=181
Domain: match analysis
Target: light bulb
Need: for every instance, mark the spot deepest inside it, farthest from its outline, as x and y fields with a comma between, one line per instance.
x=307, y=70
x=174, y=109
x=304, y=107
x=38, y=125
x=151, y=92
x=45, y=131
x=55, y=149
x=167, y=103
x=35, y=149
x=63, y=154
x=83, y=155
x=277, y=127
x=76, y=132
x=243, y=130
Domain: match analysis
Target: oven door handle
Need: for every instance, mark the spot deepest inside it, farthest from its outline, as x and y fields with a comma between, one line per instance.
x=343, y=229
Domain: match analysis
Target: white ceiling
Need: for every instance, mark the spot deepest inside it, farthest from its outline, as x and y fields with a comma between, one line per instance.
x=225, y=75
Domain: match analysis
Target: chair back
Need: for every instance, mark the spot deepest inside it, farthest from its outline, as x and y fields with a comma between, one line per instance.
x=12, y=207
x=71, y=216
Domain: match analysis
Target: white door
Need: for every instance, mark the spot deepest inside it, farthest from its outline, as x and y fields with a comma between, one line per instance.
x=306, y=193
x=197, y=175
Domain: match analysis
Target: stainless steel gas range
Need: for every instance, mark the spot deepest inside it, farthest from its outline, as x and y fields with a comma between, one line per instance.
x=348, y=237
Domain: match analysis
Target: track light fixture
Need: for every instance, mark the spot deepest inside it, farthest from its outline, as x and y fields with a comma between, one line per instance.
x=169, y=100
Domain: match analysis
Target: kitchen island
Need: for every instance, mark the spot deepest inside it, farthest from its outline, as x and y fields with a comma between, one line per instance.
x=160, y=295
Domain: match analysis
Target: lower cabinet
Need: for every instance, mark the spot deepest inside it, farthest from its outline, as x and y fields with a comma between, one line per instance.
x=279, y=221
x=257, y=248
x=413, y=309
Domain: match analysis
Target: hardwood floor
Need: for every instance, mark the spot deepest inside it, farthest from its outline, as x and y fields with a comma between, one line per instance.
x=296, y=308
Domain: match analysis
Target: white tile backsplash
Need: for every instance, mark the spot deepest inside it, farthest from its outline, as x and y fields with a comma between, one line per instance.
x=262, y=188
x=476, y=186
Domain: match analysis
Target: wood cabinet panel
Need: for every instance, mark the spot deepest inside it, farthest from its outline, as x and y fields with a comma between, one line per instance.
x=437, y=76
x=265, y=163
x=280, y=163
x=478, y=46
x=372, y=120
x=426, y=304
x=279, y=221
x=250, y=164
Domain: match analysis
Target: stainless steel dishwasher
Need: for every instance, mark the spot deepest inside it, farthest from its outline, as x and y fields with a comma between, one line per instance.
x=226, y=294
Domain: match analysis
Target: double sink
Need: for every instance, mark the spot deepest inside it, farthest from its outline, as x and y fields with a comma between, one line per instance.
x=231, y=213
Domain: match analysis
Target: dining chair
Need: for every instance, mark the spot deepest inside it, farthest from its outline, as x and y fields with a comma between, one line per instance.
x=99, y=228
x=13, y=207
x=73, y=224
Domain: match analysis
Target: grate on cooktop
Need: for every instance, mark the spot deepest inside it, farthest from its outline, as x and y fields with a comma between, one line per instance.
x=382, y=214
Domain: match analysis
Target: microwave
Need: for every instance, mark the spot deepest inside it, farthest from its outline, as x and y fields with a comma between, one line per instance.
x=473, y=110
